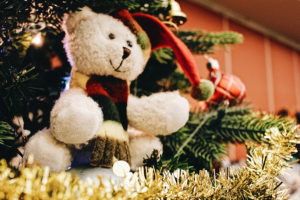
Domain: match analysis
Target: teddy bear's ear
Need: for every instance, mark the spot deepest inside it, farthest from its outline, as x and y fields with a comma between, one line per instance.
x=71, y=20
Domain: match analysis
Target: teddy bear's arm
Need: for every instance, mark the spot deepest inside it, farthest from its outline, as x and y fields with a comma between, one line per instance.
x=75, y=117
x=159, y=114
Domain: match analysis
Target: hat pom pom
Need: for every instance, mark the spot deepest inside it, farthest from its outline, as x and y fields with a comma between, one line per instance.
x=203, y=91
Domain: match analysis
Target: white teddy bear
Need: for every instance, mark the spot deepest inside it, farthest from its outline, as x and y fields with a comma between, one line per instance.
x=88, y=122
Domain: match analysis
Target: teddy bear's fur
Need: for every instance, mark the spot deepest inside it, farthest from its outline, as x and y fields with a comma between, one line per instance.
x=79, y=123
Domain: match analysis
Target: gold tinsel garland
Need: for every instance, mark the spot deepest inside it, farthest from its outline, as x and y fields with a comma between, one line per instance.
x=257, y=180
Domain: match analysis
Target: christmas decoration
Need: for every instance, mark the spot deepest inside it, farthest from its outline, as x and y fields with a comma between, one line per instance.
x=257, y=180
x=163, y=37
x=176, y=15
x=160, y=73
x=105, y=83
x=227, y=86
x=34, y=70
x=204, y=43
x=7, y=137
x=201, y=143
x=33, y=77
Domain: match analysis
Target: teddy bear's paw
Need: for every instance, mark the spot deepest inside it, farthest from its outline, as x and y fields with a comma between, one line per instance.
x=75, y=118
x=177, y=108
x=159, y=114
x=47, y=151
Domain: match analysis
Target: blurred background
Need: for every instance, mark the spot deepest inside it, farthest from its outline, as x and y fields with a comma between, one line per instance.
x=268, y=60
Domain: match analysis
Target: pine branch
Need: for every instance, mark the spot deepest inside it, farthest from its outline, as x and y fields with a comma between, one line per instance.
x=7, y=141
x=17, y=14
x=203, y=121
x=252, y=127
x=15, y=76
x=172, y=164
x=201, y=43
x=203, y=138
x=15, y=90
x=6, y=133
x=175, y=81
x=160, y=65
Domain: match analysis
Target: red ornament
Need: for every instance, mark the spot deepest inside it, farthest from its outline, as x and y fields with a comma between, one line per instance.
x=227, y=86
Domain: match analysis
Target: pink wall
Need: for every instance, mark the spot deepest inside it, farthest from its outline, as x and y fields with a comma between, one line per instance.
x=270, y=70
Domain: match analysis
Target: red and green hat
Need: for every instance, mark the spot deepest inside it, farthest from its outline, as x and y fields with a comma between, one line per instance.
x=152, y=34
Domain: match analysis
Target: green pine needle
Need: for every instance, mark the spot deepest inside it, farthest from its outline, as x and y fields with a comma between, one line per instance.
x=202, y=141
x=204, y=42
x=6, y=134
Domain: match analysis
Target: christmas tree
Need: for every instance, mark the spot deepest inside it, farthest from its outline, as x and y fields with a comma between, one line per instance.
x=34, y=71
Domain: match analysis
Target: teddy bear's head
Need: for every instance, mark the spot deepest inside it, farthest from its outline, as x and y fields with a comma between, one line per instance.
x=98, y=44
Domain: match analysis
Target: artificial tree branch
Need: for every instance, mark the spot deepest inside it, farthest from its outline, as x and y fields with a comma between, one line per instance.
x=207, y=116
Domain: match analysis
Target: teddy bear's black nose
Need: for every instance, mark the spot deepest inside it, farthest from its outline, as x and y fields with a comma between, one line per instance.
x=126, y=52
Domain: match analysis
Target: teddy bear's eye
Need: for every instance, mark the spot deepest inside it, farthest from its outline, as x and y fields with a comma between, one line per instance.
x=129, y=43
x=111, y=36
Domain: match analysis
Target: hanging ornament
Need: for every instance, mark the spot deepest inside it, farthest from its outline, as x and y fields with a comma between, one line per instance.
x=227, y=86
x=176, y=16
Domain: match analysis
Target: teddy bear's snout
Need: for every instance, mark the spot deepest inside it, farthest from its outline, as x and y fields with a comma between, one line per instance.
x=126, y=52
